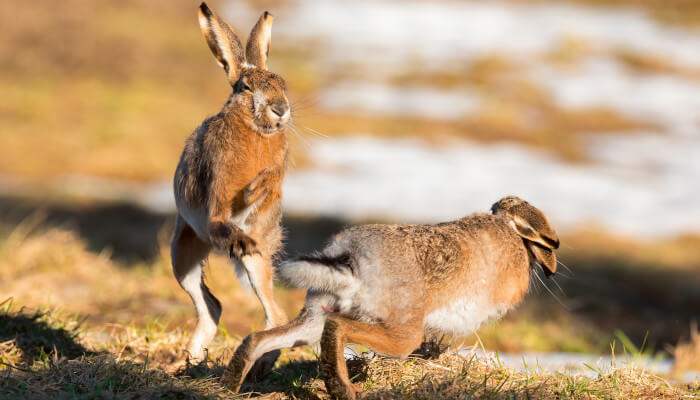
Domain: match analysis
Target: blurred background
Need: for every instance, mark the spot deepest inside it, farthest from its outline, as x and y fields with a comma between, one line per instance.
x=411, y=111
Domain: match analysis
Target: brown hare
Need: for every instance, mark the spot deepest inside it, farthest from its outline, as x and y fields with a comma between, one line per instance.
x=228, y=181
x=383, y=286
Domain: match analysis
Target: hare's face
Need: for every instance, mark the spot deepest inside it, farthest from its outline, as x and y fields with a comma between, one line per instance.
x=534, y=227
x=260, y=93
x=263, y=93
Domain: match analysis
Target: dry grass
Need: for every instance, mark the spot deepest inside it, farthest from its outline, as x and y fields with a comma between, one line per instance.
x=672, y=12
x=125, y=362
x=55, y=267
x=651, y=64
x=684, y=13
x=680, y=253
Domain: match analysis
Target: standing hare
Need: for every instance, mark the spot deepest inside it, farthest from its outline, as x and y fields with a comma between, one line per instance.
x=383, y=286
x=228, y=182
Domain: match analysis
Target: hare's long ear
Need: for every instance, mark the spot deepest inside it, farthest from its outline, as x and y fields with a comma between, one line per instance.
x=532, y=224
x=259, y=41
x=223, y=42
x=545, y=257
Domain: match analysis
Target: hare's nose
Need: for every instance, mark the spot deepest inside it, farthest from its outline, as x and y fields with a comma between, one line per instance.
x=279, y=108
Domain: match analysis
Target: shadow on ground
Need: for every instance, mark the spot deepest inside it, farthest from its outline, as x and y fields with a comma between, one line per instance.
x=289, y=378
x=101, y=377
x=638, y=299
x=35, y=338
x=69, y=370
x=132, y=234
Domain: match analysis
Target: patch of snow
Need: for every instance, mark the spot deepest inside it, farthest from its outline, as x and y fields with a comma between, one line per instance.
x=580, y=364
x=405, y=180
x=387, y=100
x=669, y=100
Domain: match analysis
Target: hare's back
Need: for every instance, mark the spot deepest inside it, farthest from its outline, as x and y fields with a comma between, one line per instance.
x=488, y=277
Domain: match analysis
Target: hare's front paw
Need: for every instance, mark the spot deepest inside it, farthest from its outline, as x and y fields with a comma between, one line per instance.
x=258, y=187
x=242, y=245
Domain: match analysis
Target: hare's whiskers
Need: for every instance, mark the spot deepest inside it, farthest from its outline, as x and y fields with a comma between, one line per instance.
x=551, y=292
x=559, y=286
x=566, y=267
x=320, y=134
x=533, y=283
x=304, y=140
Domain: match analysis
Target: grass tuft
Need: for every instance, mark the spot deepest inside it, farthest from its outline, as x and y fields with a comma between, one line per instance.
x=687, y=354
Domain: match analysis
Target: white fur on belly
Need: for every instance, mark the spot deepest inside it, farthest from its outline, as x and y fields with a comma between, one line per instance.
x=463, y=316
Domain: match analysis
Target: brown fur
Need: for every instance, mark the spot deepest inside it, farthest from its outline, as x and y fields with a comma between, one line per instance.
x=228, y=183
x=383, y=286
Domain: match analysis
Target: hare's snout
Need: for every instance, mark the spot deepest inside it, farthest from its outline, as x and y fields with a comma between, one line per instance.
x=277, y=114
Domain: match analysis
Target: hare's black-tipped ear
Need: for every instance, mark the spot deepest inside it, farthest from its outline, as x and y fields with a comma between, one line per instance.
x=545, y=257
x=258, y=45
x=222, y=41
x=531, y=225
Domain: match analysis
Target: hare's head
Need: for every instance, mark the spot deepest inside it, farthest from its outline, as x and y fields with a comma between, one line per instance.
x=260, y=94
x=533, y=226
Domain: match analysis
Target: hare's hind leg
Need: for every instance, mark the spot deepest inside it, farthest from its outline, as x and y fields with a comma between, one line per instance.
x=188, y=253
x=339, y=330
x=303, y=330
x=259, y=270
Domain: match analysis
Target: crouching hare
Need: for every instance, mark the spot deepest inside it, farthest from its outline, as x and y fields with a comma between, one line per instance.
x=228, y=182
x=383, y=286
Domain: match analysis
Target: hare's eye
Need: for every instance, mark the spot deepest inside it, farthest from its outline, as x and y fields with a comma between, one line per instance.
x=242, y=86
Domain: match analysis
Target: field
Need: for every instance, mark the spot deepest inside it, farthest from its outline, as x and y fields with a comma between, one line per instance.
x=94, y=115
x=103, y=323
x=125, y=362
x=119, y=105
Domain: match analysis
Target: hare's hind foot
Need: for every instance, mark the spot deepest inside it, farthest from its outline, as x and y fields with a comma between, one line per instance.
x=243, y=364
x=240, y=364
x=303, y=330
x=338, y=330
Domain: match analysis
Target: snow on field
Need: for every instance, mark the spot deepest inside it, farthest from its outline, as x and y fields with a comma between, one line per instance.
x=643, y=186
x=581, y=364
x=369, y=98
x=405, y=180
x=395, y=31
x=672, y=101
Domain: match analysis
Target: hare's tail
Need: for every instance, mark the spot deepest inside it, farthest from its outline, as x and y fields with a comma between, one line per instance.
x=319, y=272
